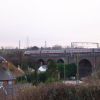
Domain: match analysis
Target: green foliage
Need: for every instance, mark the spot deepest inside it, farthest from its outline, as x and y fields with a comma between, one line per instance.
x=21, y=79
x=42, y=77
x=32, y=78
x=29, y=63
x=51, y=75
x=70, y=70
x=52, y=69
x=26, y=78
x=61, y=70
x=51, y=80
x=24, y=66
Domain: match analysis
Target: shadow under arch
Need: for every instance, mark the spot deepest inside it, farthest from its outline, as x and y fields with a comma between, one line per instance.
x=61, y=61
x=85, y=68
x=41, y=62
x=50, y=60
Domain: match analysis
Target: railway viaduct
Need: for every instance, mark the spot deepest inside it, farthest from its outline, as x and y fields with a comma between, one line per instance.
x=87, y=61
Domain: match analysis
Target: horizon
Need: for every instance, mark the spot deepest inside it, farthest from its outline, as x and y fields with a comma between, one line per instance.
x=72, y=45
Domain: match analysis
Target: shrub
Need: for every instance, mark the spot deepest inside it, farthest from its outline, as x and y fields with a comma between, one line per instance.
x=70, y=70
x=42, y=77
x=26, y=78
x=51, y=80
x=58, y=91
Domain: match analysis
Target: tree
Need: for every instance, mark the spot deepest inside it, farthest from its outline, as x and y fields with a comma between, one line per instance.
x=71, y=70
x=57, y=47
x=52, y=69
x=27, y=64
x=34, y=48
x=61, y=70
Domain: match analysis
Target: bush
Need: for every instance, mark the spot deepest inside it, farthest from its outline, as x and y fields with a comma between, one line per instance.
x=51, y=80
x=26, y=78
x=70, y=70
x=31, y=78
x=60, y=91
x=61, y=70
x=42, y=77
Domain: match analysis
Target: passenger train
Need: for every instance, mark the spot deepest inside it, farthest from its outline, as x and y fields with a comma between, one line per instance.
x=62, y=51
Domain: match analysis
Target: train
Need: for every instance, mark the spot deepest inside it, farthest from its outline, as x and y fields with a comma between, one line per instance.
x=62, y=51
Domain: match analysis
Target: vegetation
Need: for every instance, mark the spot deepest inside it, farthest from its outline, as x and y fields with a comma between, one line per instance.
x=70, y=70
x=55, y=91
x=58, y=91
x=52, y=69
x=55, y=72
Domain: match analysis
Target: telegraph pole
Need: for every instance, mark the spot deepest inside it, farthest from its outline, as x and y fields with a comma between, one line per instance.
x=45, y=44
x=20, y=53
x=19, y=44
x=27, y=42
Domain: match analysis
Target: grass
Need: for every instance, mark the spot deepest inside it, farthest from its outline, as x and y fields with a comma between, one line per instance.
x=60, y=91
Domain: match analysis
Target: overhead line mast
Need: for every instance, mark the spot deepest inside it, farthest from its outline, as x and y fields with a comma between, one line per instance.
x=75, y=44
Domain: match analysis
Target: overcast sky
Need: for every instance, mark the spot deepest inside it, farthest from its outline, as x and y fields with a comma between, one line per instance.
x=55, y=21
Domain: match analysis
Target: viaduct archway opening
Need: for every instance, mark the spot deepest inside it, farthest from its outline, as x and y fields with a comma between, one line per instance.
x=41, y=62
x=85, y=68
x=50, y=60
x=60, y=61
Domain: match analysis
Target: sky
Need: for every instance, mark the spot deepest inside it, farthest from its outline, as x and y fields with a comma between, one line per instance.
x=58, y=22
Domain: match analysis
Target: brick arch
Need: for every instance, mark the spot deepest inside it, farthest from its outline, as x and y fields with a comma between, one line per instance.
x=85, y=67
x=48, y=60
x=60, y=61
x=41, y=61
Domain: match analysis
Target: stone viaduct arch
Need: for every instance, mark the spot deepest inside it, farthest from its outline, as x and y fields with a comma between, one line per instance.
x=87, y=61
x=60, y=61
x=85, y=68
